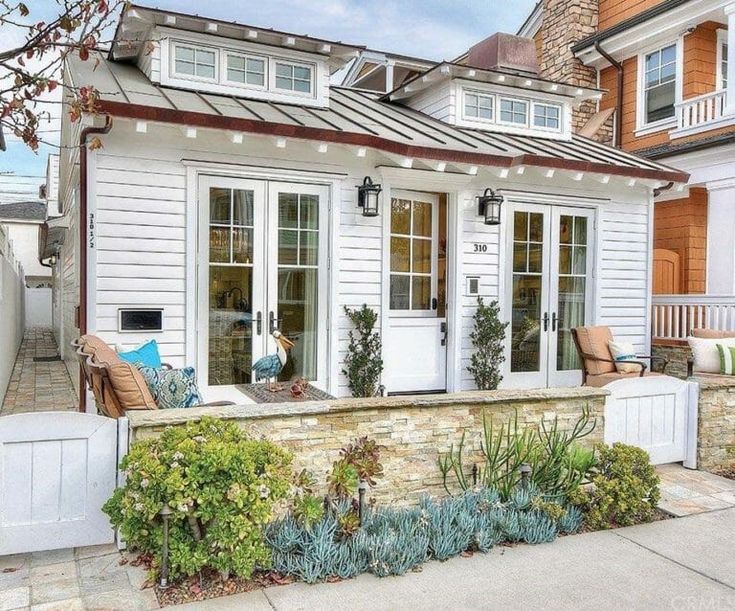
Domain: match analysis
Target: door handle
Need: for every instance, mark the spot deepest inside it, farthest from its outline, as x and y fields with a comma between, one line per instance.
x=259, y=323
x=434, y=303
x=553, y=322
x=273, y=322
x=444, y=329
x=546, y=321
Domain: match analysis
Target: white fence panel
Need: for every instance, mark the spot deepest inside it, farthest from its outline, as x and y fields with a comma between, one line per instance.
x=57, y=469
x=656, y=413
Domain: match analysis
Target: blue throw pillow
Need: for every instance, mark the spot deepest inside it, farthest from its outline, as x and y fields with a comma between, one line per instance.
x=172, y=388
x=147, y=354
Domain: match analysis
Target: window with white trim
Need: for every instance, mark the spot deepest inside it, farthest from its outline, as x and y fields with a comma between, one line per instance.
x=478, y=106
x=246, y=70
x=514, y=112
x=723, y=65
x=659, y=84
x=546, y=116
x=293, y=77
x=195, y=61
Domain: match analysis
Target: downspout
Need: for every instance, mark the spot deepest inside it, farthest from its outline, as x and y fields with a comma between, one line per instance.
x=619, y=102
x=82, y=310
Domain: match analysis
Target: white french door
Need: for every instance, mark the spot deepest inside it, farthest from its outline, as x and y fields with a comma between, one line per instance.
x=415, y=352
x=261, y=266
x=549, y=292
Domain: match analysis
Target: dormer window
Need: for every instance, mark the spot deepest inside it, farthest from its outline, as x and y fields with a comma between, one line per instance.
x=479, y=106
x=195, y=61
x=293, y=77
x=546, y=116
x=514, y=112
x=246, y=70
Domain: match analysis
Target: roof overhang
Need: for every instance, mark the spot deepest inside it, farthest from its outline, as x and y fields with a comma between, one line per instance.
x=662, y=23
x=442, y=154
x=50, y=238
x=449, y=70
x=381, y=58
x=136, y=22
x=532, y=25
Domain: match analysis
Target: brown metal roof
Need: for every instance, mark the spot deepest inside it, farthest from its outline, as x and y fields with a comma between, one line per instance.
x=354, y=118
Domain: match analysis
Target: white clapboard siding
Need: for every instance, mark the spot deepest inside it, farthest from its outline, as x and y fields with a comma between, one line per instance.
x=437, y=101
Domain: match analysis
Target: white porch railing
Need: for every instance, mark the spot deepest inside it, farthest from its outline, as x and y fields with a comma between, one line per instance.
x=674, y=316
x=702, y=109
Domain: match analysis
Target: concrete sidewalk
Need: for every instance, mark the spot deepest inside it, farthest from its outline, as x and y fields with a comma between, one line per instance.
x=683, y=563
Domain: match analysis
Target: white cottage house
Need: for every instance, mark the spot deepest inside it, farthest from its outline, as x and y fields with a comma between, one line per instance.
x=224, y=203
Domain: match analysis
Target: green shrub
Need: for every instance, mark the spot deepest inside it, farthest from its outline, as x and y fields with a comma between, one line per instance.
x=222, y=487
x=624, y=489
x=363, y=362
x=488, y=339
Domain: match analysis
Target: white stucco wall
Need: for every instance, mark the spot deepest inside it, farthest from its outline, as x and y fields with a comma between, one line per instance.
x=25, y=246
x=11, y=313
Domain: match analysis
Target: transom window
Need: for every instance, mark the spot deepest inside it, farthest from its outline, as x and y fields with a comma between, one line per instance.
x=513, y=111
x=546, y=116
x=660, y=84
x=246, y=70
x=195, y=61
x=293, y=77
x=479, y=106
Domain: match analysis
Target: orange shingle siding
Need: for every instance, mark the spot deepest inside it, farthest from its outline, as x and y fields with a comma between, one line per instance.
x=680, y=225
x=615, y=11
x=700, y=74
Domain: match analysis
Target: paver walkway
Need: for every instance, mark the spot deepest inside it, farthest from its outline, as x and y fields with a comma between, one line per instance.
x=686, y=492
x=38, y=386
x=73, y=580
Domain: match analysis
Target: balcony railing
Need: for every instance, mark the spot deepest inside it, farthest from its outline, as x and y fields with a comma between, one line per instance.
x=703, y=109
x=674, y=316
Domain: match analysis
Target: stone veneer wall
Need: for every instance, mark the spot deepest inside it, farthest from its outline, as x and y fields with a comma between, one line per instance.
x=677, y=355
x=411, y=431
x=716, y=430
x=564, y=23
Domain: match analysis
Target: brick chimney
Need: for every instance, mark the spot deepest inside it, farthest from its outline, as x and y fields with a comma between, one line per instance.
x=564, y=23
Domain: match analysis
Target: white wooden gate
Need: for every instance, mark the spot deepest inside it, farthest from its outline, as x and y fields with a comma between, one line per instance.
x=57, y=469
x=656, y=413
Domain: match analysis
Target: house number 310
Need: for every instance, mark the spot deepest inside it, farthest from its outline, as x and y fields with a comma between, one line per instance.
x=480, y=247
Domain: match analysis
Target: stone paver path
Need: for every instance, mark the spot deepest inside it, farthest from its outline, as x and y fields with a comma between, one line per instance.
x=38, y=386
x=686, y=492
x=73, y=580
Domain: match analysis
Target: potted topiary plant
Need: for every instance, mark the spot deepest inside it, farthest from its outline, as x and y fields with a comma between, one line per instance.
x=488, y=338
x=363, y=363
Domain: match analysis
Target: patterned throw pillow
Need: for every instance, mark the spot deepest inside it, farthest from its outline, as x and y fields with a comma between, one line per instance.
x=622, y=352
x=172, y=388
x=727, y=359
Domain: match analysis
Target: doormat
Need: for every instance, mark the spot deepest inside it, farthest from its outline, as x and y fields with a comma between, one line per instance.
x=46, y=359
x=260, y=393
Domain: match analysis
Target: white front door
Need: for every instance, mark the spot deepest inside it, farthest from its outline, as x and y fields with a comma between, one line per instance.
x=262, y=266
x=549, y=289
x=414, y=350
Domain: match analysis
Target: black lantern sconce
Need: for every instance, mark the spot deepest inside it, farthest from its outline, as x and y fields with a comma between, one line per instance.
x=489, y=205
x=367, y=197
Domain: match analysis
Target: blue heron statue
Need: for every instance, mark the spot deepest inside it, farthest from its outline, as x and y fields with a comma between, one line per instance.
x=268, y=367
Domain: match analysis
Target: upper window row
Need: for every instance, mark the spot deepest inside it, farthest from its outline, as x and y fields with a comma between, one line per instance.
x=229, y=67
x=512, y=111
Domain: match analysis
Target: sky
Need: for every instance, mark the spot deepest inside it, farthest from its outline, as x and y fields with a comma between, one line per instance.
x=433, y=29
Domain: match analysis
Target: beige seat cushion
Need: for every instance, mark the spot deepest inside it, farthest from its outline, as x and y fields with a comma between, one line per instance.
x=605, y=378
x=712, y=334
x=99, y=350
x=130, y=387
x=594, y=341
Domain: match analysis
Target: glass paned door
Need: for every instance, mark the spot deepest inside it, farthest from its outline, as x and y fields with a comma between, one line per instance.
x=231, y=259
x=296, y=276
x=529, y=290
x=570, y=296
x=549, y=289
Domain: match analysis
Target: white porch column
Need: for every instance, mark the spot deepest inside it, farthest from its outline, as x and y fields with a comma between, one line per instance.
x=721, y=239
x=730, y=101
